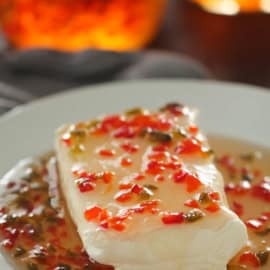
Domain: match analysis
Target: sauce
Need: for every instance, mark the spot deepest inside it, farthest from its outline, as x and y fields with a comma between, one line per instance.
x=36, y=230
x=37, y=233
x=244, y=167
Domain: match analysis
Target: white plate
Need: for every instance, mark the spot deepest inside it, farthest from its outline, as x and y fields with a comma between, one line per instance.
x=228, y=109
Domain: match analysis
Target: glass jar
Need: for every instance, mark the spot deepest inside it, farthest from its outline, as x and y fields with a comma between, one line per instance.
x=80, y=24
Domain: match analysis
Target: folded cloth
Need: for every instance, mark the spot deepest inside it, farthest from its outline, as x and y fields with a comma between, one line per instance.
x=30, y=74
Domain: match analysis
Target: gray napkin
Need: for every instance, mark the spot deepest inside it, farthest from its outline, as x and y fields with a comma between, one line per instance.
x=29, y=74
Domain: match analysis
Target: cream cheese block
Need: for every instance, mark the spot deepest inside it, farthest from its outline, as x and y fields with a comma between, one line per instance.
x=144, y=193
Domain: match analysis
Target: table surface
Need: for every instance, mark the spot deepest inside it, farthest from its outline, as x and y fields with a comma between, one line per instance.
x=233, y=48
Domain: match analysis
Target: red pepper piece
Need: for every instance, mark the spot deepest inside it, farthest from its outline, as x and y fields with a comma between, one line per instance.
x=188, y=147
x=107, y=153
x=214, y=196
x=124, y=132
x=213, y=207
x=229, y=188
x=192, y=204
x=193, y=183
x=155, y=167
x=126, y=162
x=118, y=223
x=150, y=121
x=141, y=121
x=239, y=190
x=11, y=185
x=99, y=131
x=263, y=218
x=139, y=177
x=160, y=148
x=92, y=213
x=266, y=214
x=254, y=224
x=66, y=139
x=104, y=225
x=112, y=122
x=175, y=109
x=138, y=210
x=262, y=191
x=130, y=148
x=125, y=186
x=249, y=259
x=163, y=125
x=174, y=165
x=107, y=177
x=193, y=129
x=179, y=177
x=159, y=178
x=136, y=189
x=118, y=226
x=103, y=215
x=85, y=185
x=173, y=218
x=124, y=197
x=238, y=208
x=158, y=156
x=10, y=238
x=79, y=173
x=150, y=206
x=226, y=160
x=7, y=244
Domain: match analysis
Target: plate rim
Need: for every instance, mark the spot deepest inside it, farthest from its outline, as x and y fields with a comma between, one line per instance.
x=102, y=87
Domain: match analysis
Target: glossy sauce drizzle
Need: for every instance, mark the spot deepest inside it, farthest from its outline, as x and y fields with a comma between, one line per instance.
x=37, y=233
x=245, y=168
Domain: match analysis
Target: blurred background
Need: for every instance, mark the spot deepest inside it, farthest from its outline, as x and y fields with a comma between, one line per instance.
x=47, y=46
x=231, y=37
